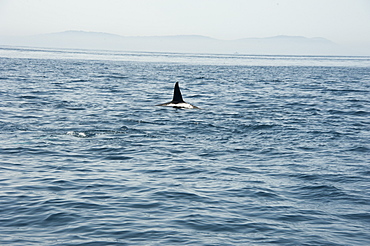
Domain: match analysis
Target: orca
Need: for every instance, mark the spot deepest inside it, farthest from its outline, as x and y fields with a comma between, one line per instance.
x=177, y=101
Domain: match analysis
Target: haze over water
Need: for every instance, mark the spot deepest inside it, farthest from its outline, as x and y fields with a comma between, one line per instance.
x=278, y=154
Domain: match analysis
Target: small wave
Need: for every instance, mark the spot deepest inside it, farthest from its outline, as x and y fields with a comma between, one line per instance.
x=59, y=219
x=343, y=112
x=118, y=157
x=347, y=91
x=93, y=133
x=75, y=108
x=176, y=195
x=28, y=97
x=79, y=80
x=360, y=149
x=322, y=192
x=81, y=134
x=360, y=217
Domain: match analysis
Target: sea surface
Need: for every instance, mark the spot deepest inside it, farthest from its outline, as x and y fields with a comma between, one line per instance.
x=278, y=154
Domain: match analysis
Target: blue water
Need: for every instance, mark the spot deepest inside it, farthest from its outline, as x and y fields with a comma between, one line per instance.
x=279, y=154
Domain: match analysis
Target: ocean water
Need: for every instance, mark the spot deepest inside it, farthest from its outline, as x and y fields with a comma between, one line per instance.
x=278, y=154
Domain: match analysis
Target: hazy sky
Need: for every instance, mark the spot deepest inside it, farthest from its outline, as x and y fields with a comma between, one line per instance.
x=342, y=21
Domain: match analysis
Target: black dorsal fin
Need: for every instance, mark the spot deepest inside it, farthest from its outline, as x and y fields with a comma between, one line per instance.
x=177, y=97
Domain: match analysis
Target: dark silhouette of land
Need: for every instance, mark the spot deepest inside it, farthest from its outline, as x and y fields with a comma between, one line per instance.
x=277, y=45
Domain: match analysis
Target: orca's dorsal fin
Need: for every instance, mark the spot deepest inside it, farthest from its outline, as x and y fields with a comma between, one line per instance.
x=177, y=101
x=177, y=97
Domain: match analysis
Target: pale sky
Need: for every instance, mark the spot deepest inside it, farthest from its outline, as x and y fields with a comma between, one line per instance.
x=342, y=21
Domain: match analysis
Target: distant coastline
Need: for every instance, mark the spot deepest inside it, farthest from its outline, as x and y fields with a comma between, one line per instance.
x=277, y=45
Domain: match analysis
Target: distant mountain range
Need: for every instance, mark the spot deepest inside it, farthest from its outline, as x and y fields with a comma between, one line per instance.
x=278, y=45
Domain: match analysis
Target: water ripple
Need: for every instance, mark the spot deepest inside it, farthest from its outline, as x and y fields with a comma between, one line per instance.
x=278, y=155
